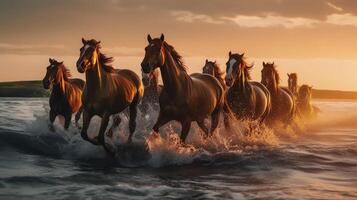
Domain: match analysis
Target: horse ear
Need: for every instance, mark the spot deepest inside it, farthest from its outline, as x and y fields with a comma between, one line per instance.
x=242, y=55
x=60, y=63
x=230, y=53
x=50, y=60
x=149, y=38
x=206, y=61
x=98, y=42
x=273, y=63
x=263, y=63
x=288, y=74
x=84, y=41
x=215, y=61
x=162, y=37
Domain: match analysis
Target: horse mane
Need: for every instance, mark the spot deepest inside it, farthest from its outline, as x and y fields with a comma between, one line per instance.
x=272, y=66
x=65, y=72
x=218, y=73
x=105, y=62
x=176, y=56
x=247, y=67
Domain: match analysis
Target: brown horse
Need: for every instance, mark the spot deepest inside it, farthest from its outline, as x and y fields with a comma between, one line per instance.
x=66, y=93
x=152, y=91
x=184, y=98
x=213, y=69
x=283, y=105
x=304, y=107
x=293, y=84
x=247, y=99
x=108, y=91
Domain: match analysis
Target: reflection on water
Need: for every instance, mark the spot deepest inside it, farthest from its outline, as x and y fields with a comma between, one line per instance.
x=320, y=163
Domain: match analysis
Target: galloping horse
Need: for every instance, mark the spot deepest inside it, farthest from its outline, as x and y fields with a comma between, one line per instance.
x=184, y=98
x=283, y=105
x=304, y=107
x=293, y=84
x=66, y=93
x=213, y=69
x=107, y=91
x=152, y=91
x=247, y=99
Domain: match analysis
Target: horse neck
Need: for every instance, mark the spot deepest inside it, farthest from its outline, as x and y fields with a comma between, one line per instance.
x=241, y=83
x=60, y=87
x=273, y=87
x=96, y=78
x=172, y=77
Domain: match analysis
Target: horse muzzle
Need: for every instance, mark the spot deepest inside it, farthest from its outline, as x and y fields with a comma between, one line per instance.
x=229, y=81
x=46, y=84
x=145, y=67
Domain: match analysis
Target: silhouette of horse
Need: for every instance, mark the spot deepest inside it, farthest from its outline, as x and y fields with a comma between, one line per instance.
x=293, y=84
x=213, y=69
x=152, y=91
x=107, y=91
x=283, y=105
x=247, y=99
x=184, y=98
x=66, y=93
x=304, y=107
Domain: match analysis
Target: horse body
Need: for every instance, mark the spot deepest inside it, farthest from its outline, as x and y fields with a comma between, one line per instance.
x=247, y=99
x=107, y=92
x=183, y=98
x=283, y=104
x=65, y=98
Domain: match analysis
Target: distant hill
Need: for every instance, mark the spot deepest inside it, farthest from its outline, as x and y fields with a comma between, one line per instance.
x=23, y=89
x=35, y=89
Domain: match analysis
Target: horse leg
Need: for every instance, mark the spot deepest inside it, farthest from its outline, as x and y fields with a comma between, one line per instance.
x=67, y=120
x=86, y=120
x=116, y=123
x=185, y=129
x=78, y=116
x=52, y=119
x=103, y=127
x=214, y=121
x=227, y=115
x=132, y=121
x=202, y=125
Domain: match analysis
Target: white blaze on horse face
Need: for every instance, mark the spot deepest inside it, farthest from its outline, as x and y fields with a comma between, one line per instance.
x=83, y=52
x=145, y=75
x=230, y=68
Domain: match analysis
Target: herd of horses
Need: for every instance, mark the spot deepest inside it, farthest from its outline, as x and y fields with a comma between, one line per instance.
x=182, y=97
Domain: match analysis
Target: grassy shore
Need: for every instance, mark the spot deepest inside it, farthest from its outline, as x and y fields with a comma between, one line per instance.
x=35, y=89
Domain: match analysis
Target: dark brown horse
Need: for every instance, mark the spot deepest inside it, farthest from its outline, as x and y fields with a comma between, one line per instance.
x=184, y=98
x=152, y=91
x=213, y=69
x=304, y=107
x=247, y=99
x=293, y=84
x=66, y=93
x=108, y=91
x=283, y=105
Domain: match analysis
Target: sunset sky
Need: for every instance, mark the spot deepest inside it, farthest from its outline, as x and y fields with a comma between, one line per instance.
x=315, y=38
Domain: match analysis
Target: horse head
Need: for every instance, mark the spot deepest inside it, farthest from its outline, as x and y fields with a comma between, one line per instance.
x=55, y=73
x=88, y=56
x=237, y=68
x=270, y=76
x=154, y=54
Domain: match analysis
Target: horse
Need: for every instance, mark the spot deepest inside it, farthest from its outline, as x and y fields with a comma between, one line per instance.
x=184, y=98
x=283, y=104
x=152, y=91
x=150, y=98
x=213, y=69
x=305, y=109
x=107, y=91
x=249, y=100
x=65, y=98
x=293, y=84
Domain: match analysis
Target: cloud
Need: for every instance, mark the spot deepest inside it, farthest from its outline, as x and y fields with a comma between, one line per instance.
x=190, y=17
x=8, y=48
x=342, y=19
x=333, y=6
x=271, y=21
